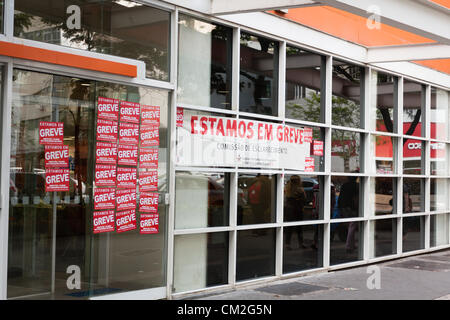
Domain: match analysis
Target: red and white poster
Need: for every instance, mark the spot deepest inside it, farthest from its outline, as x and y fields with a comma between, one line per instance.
x=126, y=220
x=180, y=117
x=108, y=109
x=148, y=158
x=126, y=177
x=148, y=181
x=126, y=199
x=56, y=156
x=307, y=134
x=127, y=155
x=129, y=133
x=149, y=223
x=318, y=148
x=148, y=202
x=309, y=164
x=57, y=180
x=103, y=221
x=129, y=111
x=107, y=130
x=106, y=153
x=51, y=132
x=104, y=198
x=150, y=115
x=105, y=175
x=149, y=136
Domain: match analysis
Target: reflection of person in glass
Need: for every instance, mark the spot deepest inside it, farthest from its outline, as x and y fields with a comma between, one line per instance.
x=259, y=196
x=294, y=205
x=348, y=203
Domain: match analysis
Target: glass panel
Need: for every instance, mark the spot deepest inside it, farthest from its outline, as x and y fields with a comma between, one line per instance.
x=439, y=114
x=346, y=99
x=303, y=81
x=258, y=89
x=345, y=151
x=255, y=256
x=439, y=152
x=346, y=242
x=201, y=200
x=304, y=253
x=62, y=222
x=200, y=261
x=439, y=225
x=383, y=237
x=413, y=233
x=412, y=108
x=382, y=113
x=439, y=194
x=382, y=154
x=382, y=196
x=121, y=28
x=301, y=197
x=204, y=63
x=412, y=156
x=347, y=195
x=256, y=198
x=413, y=195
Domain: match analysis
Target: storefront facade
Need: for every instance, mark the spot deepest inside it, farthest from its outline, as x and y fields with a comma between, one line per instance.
x=201, y=153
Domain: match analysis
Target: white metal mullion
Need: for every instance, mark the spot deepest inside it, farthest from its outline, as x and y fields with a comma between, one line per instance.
x=399, y=162
x=282, y=79
x=172, y=158
x=326, y=105
x=8, y=19
x=279, y=221
x=426, y=109
x=4, y=184
x=232, y=239
x=366, y=107
x=235, y=73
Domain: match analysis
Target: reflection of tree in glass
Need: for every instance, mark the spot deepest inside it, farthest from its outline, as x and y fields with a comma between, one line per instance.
x=96, y=39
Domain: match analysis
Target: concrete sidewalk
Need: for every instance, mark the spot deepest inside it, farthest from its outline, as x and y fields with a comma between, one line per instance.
x=423, y=277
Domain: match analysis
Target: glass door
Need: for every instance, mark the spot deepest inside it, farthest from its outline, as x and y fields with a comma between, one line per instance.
x=56, y=248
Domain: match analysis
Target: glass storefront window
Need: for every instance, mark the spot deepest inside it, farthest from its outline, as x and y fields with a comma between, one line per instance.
x=346, y=99
x=58, y=227
x=345, y=151
x=383, y=239
x=303, y=81
x=382, y=196
x=439, y=194
x=256, y=199
x=258, y=75
x=345, y=196
x=201, y=200
x=412, y=108
x=122, y=28
x=413, y=233
x=412, y=156
x=255, y=256
x=439, y=153
x=346, y=242
x=200, y=261
x=413, y=195
x=302, y=248
x=382, y=157
x=439, y=229
x=439, y=114
x=383, y=103
x=204, y=63
x=302, y=196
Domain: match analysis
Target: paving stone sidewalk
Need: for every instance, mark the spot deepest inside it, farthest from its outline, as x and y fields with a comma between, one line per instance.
x=423, y=277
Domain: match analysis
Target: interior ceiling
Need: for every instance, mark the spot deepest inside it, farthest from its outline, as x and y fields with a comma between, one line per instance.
x=354, y=28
